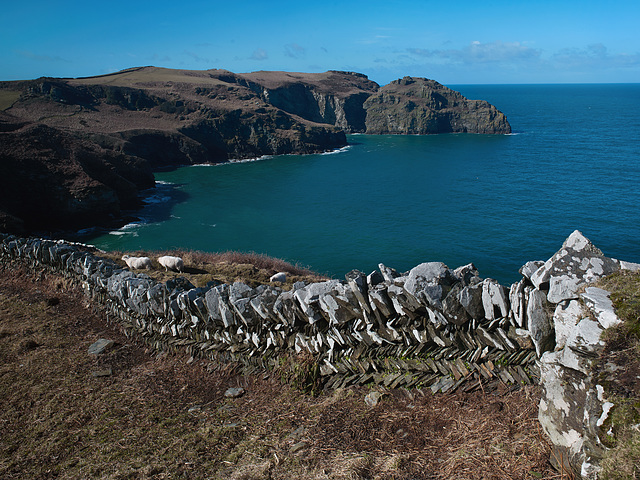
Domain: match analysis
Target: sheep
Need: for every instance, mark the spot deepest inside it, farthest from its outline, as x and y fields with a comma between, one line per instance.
x=171, y=263
x=279, y=277
x=137, y=262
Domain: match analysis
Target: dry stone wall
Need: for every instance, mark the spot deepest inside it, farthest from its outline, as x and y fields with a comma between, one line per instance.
x=430, y=327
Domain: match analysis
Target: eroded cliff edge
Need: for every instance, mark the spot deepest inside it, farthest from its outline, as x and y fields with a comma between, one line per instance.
x=84, y=147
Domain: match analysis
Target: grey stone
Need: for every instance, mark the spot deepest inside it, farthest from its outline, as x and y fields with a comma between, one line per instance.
x=467, y=274
x=101, y=346
x=634, y=267
x=470, y=298
x=380, y=301
x=279, y=277
x=389, y=274
x=528, y=269
x=453, y=309
x=357, y=281
x=540, y=324
x=373, y=398
x=518, y=305
x=430, y=283
x=563, y=287
x=374, y=278
x=403, y=302
x=582, y=345
x=234, y=392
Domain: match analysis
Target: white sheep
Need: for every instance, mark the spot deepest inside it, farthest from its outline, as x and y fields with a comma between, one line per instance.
x=137, y=262
x=279, y=277
x=171, y=263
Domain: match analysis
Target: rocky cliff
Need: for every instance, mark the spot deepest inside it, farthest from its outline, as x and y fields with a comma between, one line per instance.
x=421, y=106
x=52, y=180
x=107, y=133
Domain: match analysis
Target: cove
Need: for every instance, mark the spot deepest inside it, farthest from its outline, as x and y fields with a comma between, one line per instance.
x=496, y=201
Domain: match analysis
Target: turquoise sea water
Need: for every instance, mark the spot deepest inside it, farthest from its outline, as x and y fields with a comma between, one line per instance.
x=573, y=162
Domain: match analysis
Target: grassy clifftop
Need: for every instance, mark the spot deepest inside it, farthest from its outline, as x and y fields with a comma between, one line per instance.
x=132, y=413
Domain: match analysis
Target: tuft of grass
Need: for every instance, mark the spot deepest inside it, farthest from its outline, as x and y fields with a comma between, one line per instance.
x=625, y=295
x=620, y=367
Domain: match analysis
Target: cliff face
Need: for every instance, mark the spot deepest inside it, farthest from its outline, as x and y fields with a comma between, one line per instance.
x=52, y=180
x=78, y=150
x=421, y=106
x=334, y=98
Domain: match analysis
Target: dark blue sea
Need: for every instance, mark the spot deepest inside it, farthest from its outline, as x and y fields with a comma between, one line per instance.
x=572, y=162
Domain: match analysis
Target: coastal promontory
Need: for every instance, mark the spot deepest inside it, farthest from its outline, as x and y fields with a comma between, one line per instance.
x=78, y=150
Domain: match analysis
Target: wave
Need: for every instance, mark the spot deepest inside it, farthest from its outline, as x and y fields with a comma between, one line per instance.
x=153, y=199
x=130, y=228
x=338, y=150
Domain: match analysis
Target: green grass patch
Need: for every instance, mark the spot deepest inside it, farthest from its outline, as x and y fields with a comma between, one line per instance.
x=619, y=368
x=8, y=98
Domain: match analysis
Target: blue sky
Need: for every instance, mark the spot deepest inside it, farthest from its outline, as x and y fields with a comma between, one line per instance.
x=456, y=42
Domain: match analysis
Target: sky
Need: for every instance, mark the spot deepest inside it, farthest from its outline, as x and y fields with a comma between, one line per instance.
x=455, y=42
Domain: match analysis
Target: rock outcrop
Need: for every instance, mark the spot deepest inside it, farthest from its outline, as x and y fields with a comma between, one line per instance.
x=51, y=180
x=420, y=106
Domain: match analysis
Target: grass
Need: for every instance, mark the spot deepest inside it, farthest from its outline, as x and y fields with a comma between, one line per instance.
x=8, y=98
x=621, y=366
x=134, y=76
x=159, y=416
x=227, y=267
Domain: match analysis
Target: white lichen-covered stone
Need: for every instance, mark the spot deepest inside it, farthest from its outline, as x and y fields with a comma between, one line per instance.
x=565, y=318
x=563, y=287
x=581, y=345
x=578, y=260
x=561, y=408
x=494, y=298
x=600, y=304
x=633, y=267
x=516, y=299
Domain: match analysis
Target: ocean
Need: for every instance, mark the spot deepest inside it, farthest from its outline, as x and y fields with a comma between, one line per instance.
x=497, y=201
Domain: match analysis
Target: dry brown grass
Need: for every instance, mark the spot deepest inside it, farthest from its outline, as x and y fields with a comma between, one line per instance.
x=159, y=416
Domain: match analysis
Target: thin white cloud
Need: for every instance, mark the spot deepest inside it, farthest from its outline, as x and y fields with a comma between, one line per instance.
x=259, y=54
x=41, y=58
x=478, y=52
x=596, y=55
x=294, y=50
x=197, y=58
